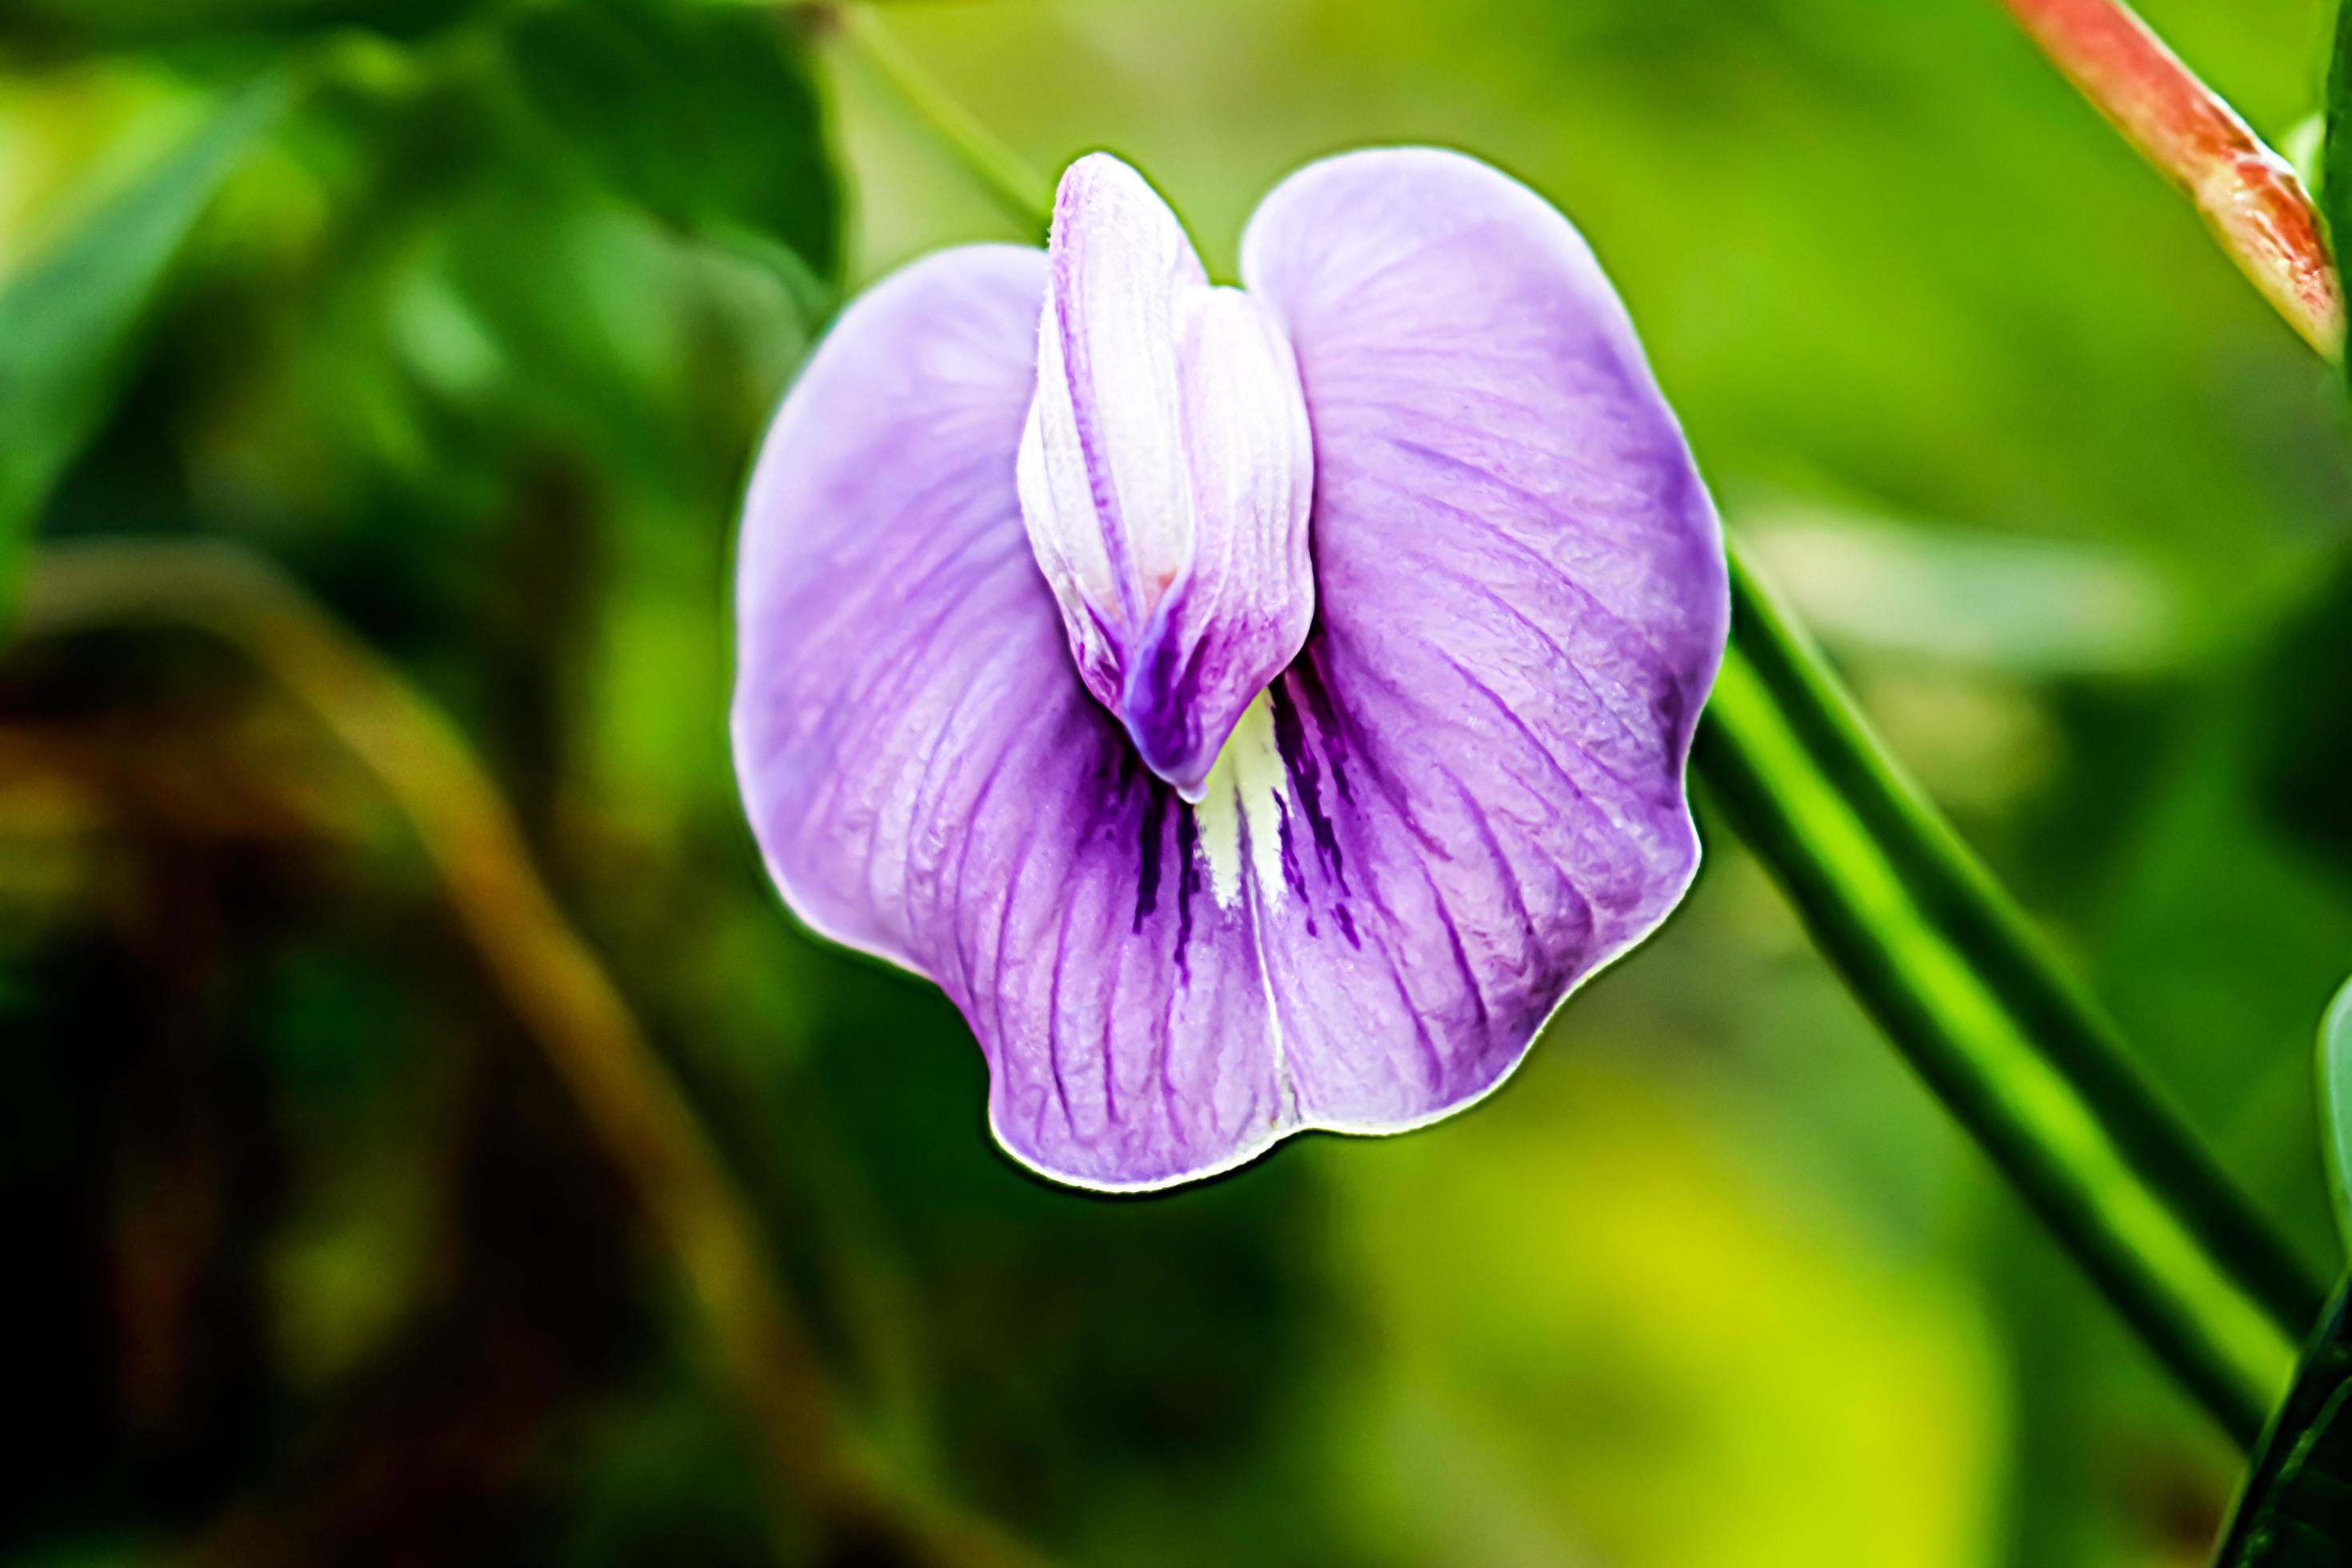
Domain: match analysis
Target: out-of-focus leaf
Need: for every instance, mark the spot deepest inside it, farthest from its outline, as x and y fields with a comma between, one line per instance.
x=2024, y=604
x=703, y=115
x=96, y=24
x=1479, y=1450
x=69, y=319
x=2335, y=1104
x=2295, y=1510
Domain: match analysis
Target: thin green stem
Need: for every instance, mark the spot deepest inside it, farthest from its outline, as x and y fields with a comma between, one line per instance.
x=1954, y=974
x=1025, y=196
x=1949, y=968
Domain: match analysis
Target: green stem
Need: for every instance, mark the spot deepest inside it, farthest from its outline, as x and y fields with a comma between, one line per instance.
x=1951, y=971
x=1025, y=196
x=1947, y=966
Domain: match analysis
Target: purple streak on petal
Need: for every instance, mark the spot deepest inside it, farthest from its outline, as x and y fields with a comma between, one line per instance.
x=1522, y=604
x=1165, y=474
x=930, y=781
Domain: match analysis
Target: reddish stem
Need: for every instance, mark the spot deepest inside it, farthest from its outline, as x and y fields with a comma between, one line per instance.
x=2250, y=196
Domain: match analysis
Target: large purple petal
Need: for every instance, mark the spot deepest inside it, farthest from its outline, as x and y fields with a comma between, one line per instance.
x=929, y=779
x=1522, y=596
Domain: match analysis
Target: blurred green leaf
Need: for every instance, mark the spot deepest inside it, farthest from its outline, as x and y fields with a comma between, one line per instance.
x=101, y=24
x=1971, y=596
x=2335, y=1104
x=69, y=321
x=704, y=116
x=2295, y=1510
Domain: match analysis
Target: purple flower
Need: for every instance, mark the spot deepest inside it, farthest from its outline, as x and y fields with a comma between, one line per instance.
x=1257, y=710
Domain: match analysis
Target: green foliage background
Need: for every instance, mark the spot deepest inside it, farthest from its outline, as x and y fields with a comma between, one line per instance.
x=468, y=315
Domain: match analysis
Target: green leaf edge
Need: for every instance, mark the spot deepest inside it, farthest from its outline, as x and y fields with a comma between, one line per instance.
x=2314, y=1401
x=49, y=410
x=2335, y=1106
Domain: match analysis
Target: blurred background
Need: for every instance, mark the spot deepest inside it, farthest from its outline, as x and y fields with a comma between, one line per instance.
x=424, y=1137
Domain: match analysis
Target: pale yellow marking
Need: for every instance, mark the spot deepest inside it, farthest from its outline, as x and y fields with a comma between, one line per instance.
x=1245, y=787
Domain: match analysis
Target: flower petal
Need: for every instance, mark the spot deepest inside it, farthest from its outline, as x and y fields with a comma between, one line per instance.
x=1165, y=473
x=1523, y=602
x=928, y=780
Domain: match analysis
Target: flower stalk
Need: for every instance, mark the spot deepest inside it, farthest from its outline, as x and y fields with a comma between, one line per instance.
x=1938, y=954
x=2249, y=197
x=1949, y=968
x=1019, y=190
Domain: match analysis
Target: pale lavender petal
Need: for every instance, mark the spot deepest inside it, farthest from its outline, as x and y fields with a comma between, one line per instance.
x=1165, y=472
x=930, y=781
x=1480, y=790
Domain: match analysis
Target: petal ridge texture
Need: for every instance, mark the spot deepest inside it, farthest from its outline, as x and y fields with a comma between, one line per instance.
x=1351, y=903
